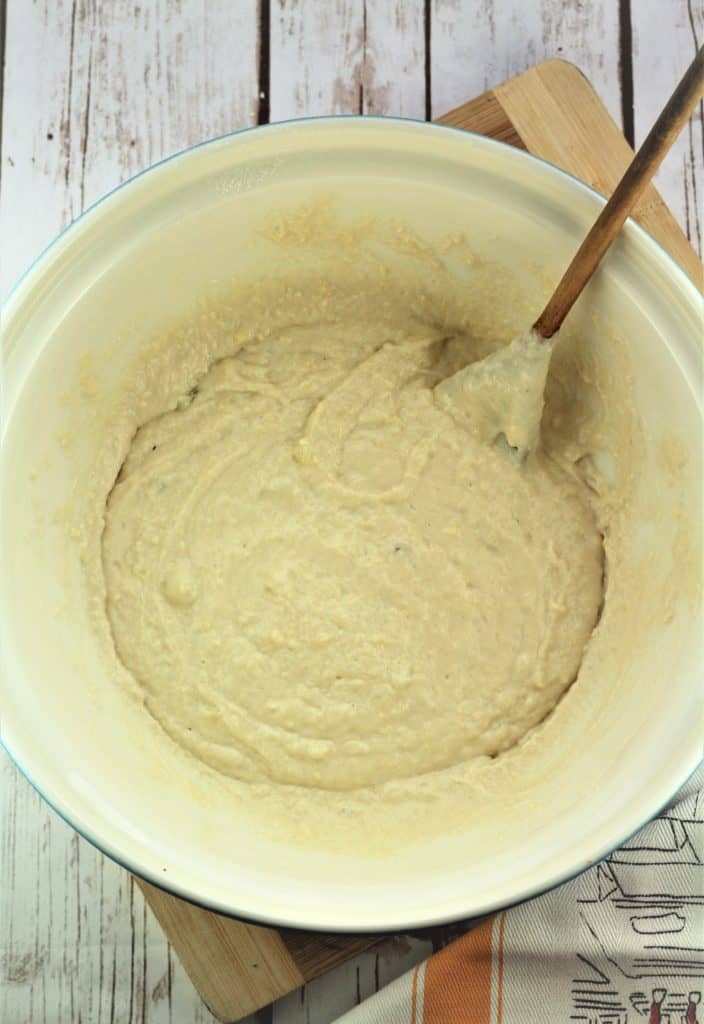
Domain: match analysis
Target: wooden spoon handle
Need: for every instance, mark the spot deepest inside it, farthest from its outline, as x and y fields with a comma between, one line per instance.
x=626, y=194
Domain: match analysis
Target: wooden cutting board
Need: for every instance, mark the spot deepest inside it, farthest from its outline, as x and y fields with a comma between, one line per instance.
x=552, y=111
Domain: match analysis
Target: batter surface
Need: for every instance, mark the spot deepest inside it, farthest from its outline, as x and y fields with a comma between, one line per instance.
x=319, y=575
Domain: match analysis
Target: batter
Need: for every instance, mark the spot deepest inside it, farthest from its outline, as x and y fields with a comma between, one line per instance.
x=318, y=573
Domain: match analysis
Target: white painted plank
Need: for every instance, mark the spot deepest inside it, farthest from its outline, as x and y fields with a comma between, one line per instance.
x=664, y=42
x=95, y=92
x=163, y=76
x=316, y=56
x=38, y=190
x=475, y=45
x=347, y=57
x=394, y=58
x=75, y=935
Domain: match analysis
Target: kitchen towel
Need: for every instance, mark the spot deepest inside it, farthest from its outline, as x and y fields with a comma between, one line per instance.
x=621, y=943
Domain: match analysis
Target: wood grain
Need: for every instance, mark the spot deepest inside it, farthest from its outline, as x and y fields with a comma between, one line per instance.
x=484, y=115
x=587, y=144
x=342, y=58
x=624, y=200
x=553, y=111
x=573, y=114
x=239, y=960
x=148, y=78
x=474, y=46
x=238, y=967
x=109, y=89
x=654, y=65
x=393, y=68
x=316, y=55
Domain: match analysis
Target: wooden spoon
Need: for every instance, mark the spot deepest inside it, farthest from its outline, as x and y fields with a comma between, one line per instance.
x=503, y=394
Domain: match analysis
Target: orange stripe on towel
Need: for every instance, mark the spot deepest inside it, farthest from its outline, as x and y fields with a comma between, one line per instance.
x=414, y=997
x=458, y=980
x=500, y=982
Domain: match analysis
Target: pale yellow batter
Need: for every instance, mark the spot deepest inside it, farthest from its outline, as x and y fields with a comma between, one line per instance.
x=318, y=574
x=325, y=594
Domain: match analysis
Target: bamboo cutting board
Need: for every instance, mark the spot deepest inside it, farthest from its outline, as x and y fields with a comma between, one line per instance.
x=552, y=111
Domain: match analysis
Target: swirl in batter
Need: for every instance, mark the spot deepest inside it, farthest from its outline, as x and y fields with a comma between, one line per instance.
x=318, y=576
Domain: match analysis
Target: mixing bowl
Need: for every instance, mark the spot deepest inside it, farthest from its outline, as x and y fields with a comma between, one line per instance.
x=140, y=258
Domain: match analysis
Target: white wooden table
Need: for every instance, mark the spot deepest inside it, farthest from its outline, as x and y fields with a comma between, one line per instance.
x=96, y=90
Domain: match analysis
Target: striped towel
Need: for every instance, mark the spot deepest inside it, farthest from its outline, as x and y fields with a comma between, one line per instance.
x=624, y=942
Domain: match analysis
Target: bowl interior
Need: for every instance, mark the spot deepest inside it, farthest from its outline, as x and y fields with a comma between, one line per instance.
x=128, y=269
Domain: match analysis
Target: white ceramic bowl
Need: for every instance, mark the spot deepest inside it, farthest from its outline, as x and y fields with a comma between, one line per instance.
x=131, y=264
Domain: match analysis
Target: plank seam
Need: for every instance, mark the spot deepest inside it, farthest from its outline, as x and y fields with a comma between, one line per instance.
x=364, y=58
x=264, y=62
x=625, y=69
x=694, y=232
x=427, y=21
x=3, y=34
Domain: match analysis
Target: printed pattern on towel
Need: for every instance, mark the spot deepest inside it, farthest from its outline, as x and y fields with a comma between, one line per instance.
x=621, y=944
